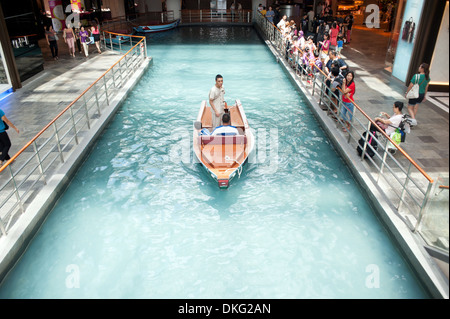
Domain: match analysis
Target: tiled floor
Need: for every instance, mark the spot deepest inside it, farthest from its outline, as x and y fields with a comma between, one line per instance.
x=377, y=90
x=46, y=94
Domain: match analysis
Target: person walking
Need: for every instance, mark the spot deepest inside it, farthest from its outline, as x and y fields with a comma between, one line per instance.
x=69, y=38
x=52, y=38
x=77, y=39
x=95, y=30
x=349, y=21
x=84, y=38
x=423, y=79
x=5, y=142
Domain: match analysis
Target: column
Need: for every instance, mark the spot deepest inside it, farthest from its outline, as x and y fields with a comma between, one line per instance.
x=175, y=6
x=8, y=55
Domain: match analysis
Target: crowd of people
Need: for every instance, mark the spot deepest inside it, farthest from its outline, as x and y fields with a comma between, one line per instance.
x=80, y=36
x=317, y=45
x=317, y=48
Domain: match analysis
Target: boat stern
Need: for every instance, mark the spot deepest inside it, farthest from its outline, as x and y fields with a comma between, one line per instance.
x=223, y=183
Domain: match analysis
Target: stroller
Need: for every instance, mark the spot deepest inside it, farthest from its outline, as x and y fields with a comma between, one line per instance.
x=372, y=141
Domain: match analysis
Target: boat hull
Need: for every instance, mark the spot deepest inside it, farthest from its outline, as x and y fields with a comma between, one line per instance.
x=223, y=157
x=157, y=27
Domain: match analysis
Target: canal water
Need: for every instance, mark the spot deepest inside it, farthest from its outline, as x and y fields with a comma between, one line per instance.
x=142, y=219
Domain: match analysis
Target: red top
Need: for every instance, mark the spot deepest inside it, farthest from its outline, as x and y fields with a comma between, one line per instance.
x=333, y=36
x=350, y=94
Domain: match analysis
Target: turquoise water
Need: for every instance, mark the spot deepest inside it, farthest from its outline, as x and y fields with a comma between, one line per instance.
x=142, y=220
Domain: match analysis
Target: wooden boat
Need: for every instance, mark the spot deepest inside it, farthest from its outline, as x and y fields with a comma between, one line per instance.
x=223, y=156
x=157, y=27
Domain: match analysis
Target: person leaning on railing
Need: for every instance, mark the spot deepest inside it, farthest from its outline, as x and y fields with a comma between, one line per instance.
x=5, y=142
x=348, y=90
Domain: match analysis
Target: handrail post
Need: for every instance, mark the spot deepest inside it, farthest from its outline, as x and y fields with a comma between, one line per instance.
x=313, y=82
x=73, y=126
x=16, y=190
x=106, y=90
x=384, y=160
x=2, y=227
x=110, y=42
x=363, y=153
x=58, y=142
x=405, y=184
x=424, y=203
x=41, y=169
x=113, y=77
x=96, y=100
x=86, y=112
x=145, y=47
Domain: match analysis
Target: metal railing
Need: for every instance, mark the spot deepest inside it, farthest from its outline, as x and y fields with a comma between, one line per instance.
x=403, y=181
x=39, y=159
x=214, y=16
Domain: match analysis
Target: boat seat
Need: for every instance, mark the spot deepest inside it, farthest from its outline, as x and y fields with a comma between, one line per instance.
x=220, y=139
x=207, y=117
x=236, y=119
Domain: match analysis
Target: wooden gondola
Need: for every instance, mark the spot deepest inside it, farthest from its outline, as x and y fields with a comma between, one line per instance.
x=223, y=156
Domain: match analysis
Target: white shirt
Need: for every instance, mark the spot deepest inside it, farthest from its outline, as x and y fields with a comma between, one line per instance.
x=281, y=24
x=218, y=96
x=395, y=122
x=225, y=130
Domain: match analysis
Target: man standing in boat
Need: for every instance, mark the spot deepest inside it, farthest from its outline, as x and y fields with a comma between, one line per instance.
x=217, y=101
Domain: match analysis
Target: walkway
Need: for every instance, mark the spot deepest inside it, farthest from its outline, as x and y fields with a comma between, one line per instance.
x=36, y=104
x=46, y=94
x=377, y=90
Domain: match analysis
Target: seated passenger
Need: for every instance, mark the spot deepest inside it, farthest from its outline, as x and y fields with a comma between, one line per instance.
x=390, y=123
x=226, y=128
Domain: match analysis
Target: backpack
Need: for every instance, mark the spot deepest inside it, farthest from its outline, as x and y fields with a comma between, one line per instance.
x=371, y=141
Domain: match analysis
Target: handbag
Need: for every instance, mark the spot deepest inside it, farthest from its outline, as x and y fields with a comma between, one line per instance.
x=6, y=125
x=414, y=92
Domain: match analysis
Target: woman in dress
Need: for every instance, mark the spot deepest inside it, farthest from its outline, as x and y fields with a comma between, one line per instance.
x=334, y=31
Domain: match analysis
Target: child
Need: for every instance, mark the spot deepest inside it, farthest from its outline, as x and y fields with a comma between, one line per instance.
x=340, y=45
